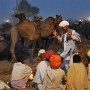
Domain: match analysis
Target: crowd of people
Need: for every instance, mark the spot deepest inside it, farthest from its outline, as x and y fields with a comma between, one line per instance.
x=50, y=75
x=62, y=70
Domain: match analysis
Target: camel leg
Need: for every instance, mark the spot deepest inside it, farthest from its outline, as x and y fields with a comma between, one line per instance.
x=14, y=38
x=31, y=51
x=51, y=45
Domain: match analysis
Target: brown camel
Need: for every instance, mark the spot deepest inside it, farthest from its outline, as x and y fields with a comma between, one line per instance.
x=30, y=31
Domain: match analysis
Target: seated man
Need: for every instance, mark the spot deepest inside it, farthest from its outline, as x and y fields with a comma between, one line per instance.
x=20, y=74
x=77, y=75
x=41, y=70
x=88, y=58
x=55, y=76
x=38, y=59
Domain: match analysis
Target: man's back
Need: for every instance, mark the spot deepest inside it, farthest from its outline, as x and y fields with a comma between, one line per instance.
x=77, y=77
x=20, y=71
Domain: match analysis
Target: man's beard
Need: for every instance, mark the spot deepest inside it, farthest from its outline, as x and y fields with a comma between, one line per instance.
x=65, y=30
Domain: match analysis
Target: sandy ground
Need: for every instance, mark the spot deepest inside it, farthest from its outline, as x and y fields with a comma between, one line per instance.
x=6, y=67
x=5, y=71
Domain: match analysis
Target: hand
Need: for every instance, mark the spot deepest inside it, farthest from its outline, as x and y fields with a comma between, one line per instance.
x=69, y=33
x=31, y=76
x=55, y=33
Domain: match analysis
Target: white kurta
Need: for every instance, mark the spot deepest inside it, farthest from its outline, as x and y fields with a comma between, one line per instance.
x=69, y=48
x=20, y=71
x=41, y=70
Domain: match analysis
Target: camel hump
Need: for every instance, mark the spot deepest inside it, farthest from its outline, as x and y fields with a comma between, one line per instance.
x=26, y=29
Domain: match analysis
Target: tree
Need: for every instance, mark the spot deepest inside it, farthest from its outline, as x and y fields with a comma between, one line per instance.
x=26, y=8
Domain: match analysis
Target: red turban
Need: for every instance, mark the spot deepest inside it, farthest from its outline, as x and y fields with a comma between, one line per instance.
x=55, y=61
x=49, y=53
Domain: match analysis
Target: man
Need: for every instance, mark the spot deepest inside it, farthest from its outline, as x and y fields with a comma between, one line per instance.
x=38, y=59
x=54, y=76
x=41, y=70
x=68, y=38
x=77, y=75
x=88, y=58
x=21, y=73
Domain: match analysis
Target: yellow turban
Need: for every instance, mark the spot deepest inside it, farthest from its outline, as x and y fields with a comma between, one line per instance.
x=88, y=53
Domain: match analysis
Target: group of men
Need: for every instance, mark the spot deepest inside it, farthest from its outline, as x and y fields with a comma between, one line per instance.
x=45, y=74
x=51, y=71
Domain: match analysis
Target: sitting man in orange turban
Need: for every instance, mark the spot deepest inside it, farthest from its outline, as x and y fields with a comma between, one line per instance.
x=54, y=74
x=41, y=70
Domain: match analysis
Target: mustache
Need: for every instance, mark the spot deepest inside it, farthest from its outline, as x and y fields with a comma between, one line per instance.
x=65, y=29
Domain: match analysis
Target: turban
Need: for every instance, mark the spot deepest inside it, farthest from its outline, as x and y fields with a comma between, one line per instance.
x=49, y=53
x=88, y=53
x=64, y=23
x=41, y=51
x=55, y=61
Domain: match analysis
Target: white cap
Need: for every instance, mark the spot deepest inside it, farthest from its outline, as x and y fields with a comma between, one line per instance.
x=41, y=51
x=64, y=23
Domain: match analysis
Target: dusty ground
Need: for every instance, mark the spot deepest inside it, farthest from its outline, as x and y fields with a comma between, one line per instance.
x=6, y=68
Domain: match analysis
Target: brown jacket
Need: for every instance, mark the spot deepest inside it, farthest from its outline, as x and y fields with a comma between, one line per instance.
x=77, y=77
x=53, y=79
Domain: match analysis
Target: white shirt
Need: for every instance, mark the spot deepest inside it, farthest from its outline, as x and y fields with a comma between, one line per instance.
x=20, y=71
x=41, y=70
x=69, y=45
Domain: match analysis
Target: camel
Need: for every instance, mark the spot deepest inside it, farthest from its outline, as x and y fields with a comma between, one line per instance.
x=31, y=31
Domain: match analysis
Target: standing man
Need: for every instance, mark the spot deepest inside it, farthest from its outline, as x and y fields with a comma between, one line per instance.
x=68, y=39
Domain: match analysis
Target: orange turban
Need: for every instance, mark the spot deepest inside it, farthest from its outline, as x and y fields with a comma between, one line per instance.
x=55, y=61
x=49, y=53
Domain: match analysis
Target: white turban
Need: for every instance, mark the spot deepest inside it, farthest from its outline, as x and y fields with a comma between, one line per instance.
x=64, y=23
x=41, y=51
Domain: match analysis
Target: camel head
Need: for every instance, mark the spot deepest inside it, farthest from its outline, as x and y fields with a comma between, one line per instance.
x=20, y=16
